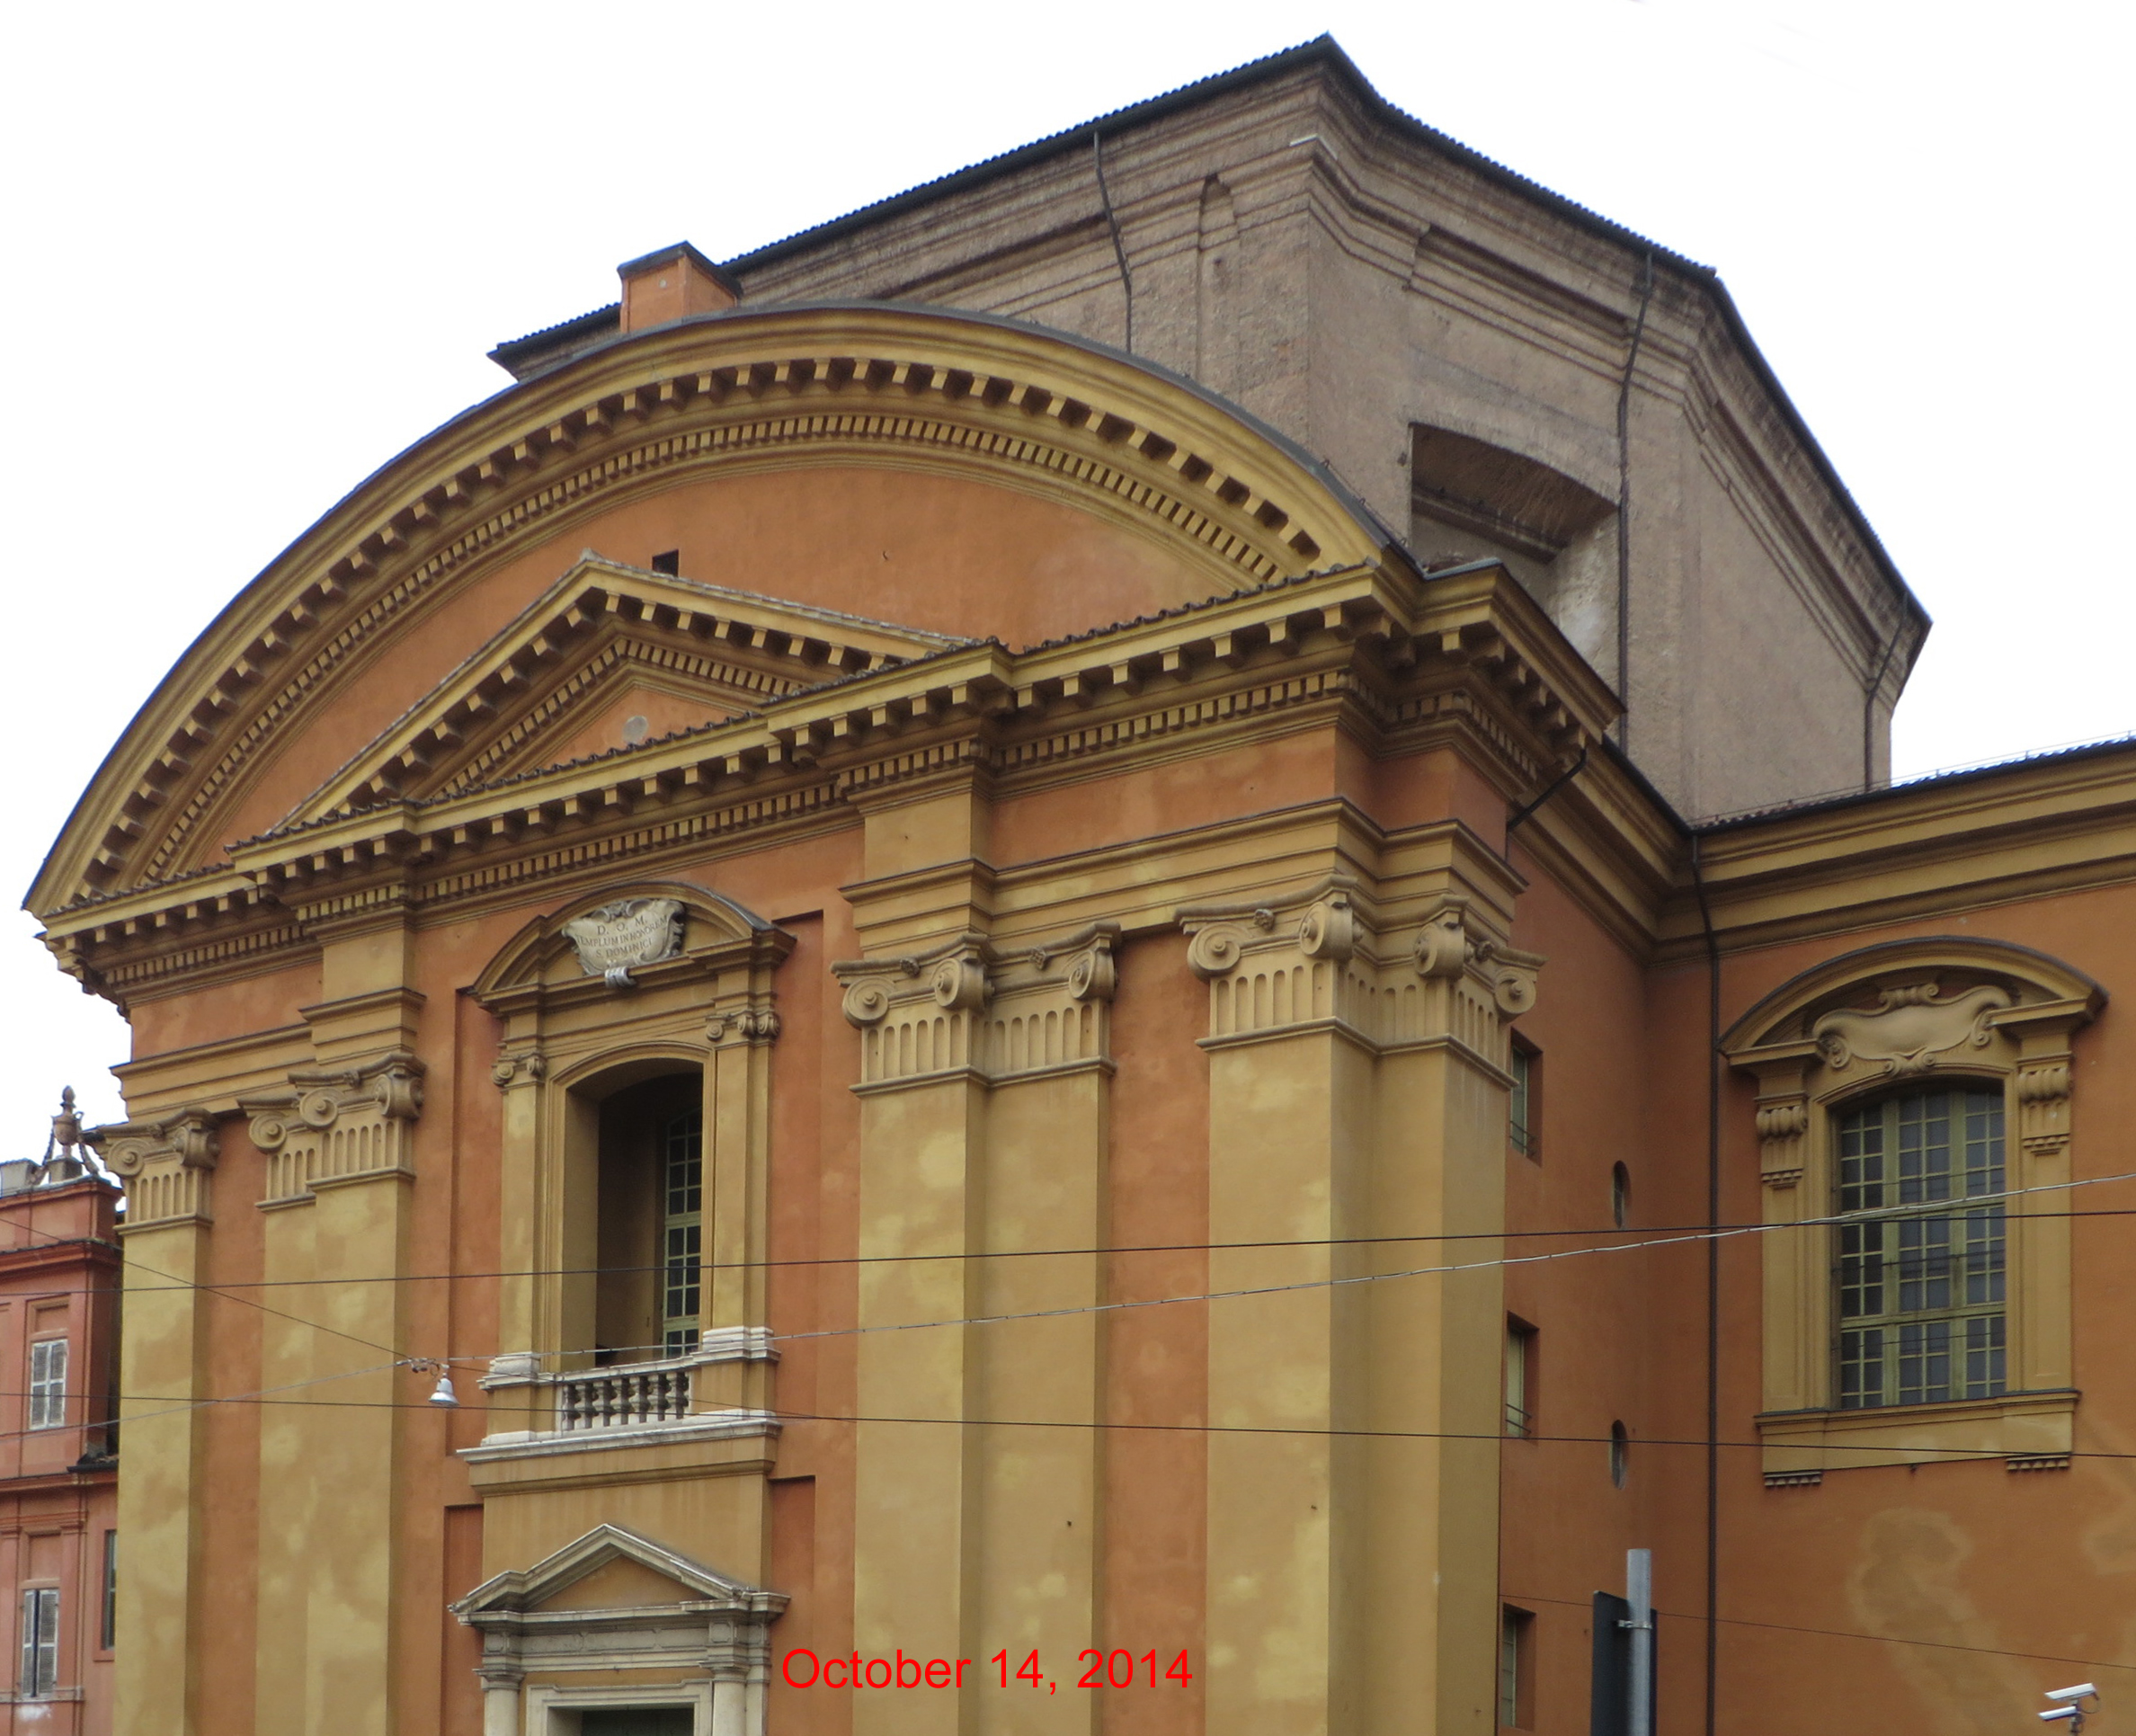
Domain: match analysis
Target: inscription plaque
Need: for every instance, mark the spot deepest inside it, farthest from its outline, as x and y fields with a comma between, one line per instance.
x=614, y=940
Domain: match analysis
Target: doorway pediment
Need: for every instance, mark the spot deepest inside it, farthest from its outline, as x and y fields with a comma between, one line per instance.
x=612, y=1568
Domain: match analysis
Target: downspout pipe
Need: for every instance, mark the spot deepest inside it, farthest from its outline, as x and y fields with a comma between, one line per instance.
x=1623, y=511
x=1521, y=814
x=1712, y=1290
x=1112, y=222
x=1869, y=709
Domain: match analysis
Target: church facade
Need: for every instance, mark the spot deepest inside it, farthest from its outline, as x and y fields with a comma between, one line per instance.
x=958, y=985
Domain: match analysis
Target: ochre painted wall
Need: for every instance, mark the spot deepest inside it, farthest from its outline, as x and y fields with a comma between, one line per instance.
x=1027, y=981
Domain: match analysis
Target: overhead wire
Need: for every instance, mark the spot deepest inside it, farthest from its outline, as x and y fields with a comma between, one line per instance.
x=1948, y=1455
x=1939, y=1209
x=1681, y=1238
x=273, y=1395
x=1659, y=1235
x=1848, y=1633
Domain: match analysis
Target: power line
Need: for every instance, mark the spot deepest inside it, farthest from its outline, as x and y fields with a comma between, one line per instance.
x=1934, y=1208
x=182, y=1283
x=1939, y=1209
x=1447, y=1269
x=1847, y=1633
x=273, y=1395
x=1951, y=1455
x=1658, y=1236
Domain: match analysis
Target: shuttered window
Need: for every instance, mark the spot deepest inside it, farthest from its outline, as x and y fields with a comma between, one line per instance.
x=47, y=1383
x=41, y=1642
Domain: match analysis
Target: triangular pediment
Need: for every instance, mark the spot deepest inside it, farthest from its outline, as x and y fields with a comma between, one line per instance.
x=610, y=1568
x=608, y=657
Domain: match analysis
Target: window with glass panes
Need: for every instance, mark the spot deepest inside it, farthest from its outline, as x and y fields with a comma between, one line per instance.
x=1521, y=1121
x=41, y=1642
x=683, y=1181
x=1920, y=1292
x=47, y=1383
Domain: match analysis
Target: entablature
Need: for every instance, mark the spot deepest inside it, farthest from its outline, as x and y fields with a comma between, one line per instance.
x=1466, y=657
x=921, y=388
x=1941, y=847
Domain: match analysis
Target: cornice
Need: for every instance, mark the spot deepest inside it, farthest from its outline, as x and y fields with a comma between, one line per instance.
x=1611, y=846
x=598, y=617
x=1212, y=675
x=1033, y=409
x=1914, y=853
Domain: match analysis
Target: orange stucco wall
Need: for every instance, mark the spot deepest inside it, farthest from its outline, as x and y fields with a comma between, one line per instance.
x=951, y=554
x=1817, y=1586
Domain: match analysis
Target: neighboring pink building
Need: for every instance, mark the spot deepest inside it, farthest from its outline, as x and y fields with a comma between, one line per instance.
x=59, y=1446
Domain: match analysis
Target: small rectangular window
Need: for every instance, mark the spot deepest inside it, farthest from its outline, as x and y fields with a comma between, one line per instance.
x=1516, y=1668
x=41, y=1642
x=668, y=561
x=1524, y=1122
x=47, y=1383
x=108, y=1629
x=1521, y=1379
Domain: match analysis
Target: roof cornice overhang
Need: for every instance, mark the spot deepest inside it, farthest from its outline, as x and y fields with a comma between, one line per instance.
x=1402, y=664
x=1926, y=851
x=920, y=387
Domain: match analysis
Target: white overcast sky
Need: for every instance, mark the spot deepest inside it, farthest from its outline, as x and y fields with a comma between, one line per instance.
x=248, y=253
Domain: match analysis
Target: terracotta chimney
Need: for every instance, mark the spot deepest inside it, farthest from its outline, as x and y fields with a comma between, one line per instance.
x=673, y=284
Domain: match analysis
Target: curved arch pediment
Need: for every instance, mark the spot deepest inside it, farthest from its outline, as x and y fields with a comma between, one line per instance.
x=912, y=390
x=654, y=927
x=1908, y=1002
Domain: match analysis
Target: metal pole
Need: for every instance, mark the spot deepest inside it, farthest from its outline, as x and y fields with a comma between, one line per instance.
x=1639, y=1592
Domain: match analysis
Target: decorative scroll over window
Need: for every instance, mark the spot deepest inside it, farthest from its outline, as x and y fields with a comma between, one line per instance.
x=1909, y=1091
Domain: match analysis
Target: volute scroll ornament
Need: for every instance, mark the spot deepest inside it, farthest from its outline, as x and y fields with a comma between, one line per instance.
x=191, y=1137
x=1329, y=929
x=1443, y=945
x=1215, y=952
x=959, y=984
x=326, y=1125
x=970, y=1007
x=531, y=1066
x=866, y=1002
x=1513, y=975
x=1912, y=1025
x=1338, y=961
x=1452, y=943
x=1093, y=974
x=749, y=1025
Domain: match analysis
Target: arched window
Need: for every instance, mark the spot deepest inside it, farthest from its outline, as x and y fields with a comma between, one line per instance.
x=1921, y=1294
x=1913, y=1131
x=651, y=1206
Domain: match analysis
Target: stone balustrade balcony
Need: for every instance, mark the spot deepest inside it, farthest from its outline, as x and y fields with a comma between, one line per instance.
x=720, y=1391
